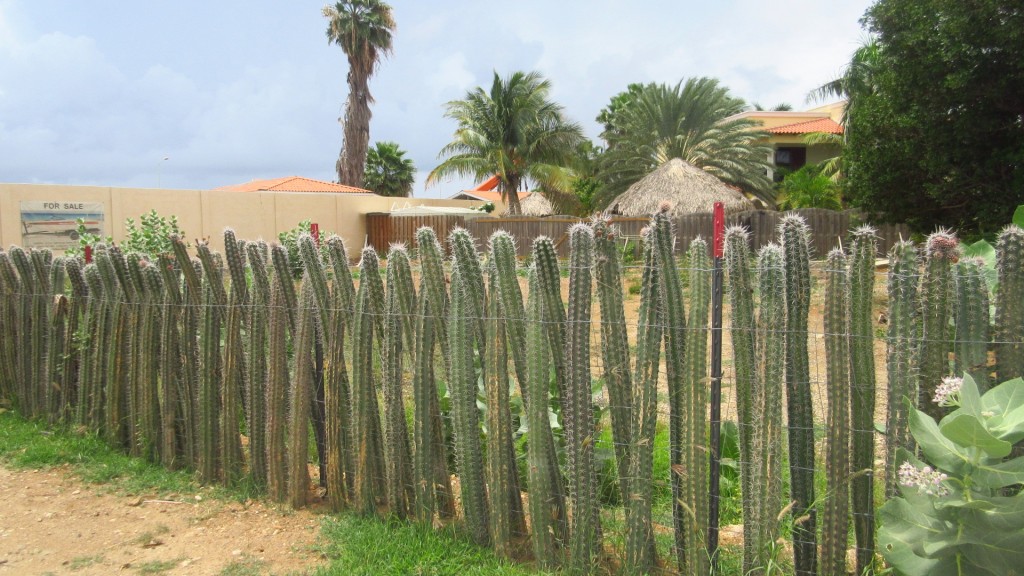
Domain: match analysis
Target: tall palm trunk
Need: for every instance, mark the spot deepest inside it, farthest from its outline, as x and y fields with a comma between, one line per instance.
x=351, y=163
x=510, y=191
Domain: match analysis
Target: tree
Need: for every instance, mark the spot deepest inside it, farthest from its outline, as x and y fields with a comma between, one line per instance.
x=809, y=187
x=388, y=171
x=363, y=29
x=691, y=121
x=940, y=141
x=513, y=131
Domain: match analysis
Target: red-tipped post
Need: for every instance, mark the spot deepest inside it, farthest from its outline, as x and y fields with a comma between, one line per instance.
x=314, y=231
x=718, y=248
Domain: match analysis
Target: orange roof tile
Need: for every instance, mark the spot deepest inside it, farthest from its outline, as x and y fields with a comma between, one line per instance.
x=293, y=184
x=826, y=125
x=489, y=184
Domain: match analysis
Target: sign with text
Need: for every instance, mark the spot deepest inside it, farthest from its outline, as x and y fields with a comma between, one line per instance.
x=54, y=225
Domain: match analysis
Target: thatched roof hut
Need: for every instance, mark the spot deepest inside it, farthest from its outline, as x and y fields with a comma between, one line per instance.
x=687, y=188
x=536, y=204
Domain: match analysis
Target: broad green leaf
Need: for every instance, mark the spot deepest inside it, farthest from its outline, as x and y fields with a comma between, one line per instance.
x=904, y=530
x=966, y=430
x=995, y=513
x=987, y=252
x=970, y=398
x=1005, y=403
x=1000, y=475
x=1018, y=216
x=936, y=447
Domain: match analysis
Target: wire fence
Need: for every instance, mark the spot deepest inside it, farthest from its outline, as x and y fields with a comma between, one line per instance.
x=177, y=359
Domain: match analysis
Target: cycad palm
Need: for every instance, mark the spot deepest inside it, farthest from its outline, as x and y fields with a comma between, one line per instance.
x=513, y=131
x=690, y=121
x=363, y=29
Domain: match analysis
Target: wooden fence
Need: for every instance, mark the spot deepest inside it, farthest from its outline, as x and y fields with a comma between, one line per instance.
x=827, y=227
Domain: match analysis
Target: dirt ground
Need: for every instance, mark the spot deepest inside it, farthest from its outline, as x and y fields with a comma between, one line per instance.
x=51, y=523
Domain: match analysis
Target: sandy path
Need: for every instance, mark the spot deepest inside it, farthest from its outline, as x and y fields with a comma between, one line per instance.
x=51, y=523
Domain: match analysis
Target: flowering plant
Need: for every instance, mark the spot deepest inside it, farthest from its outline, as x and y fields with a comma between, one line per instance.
x=962, y=512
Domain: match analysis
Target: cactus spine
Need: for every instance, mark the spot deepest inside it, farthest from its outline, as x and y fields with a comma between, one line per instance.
x=794, y=232
x=256, y=345
x=397, y=455
x=1009, y=321
x=545, y=260
x=510, y=299
x=277, y=380
x=741, y=298
x=901, y=355
x=614, y=344
x=577, y=405
x=640, y=553
x=972, y=321
x=171, y=398
x=547, y=496
x=862, y=381
x=835, y=516
x=936, y=309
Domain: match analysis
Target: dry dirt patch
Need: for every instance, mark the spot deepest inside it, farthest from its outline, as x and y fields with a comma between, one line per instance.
x=53, y=523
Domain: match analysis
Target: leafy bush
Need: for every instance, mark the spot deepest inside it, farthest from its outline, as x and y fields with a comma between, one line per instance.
x=290, y=241
x=954, y=516
x=808, y=188
x=151, y=237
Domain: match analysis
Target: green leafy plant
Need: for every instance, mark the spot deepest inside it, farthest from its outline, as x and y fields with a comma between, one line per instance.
x=290, y=240
x=954, y=516
x=808, y=187
x=150, y=237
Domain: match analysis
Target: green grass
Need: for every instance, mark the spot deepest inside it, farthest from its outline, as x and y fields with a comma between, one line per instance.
x=245, y=566
x=361, y=546
x=158, y=566
x=26, y=444
x=84, y=562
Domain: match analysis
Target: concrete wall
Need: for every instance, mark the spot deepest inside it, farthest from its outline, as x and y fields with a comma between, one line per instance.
x=205, y=213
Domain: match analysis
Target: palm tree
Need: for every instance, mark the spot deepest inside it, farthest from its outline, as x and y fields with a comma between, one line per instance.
x=388, y=171
x=363, y=29
x=515, y=132
x=691, y=121
x=858, y=81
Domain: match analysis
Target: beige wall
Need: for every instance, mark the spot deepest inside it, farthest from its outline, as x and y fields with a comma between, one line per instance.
x=205, y=213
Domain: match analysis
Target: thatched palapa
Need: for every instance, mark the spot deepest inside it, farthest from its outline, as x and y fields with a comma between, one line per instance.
x=687, y=188
x=536, y=204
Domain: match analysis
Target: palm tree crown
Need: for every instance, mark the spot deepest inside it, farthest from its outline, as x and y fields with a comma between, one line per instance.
x=388, y=171
x=363, y=29
x=691, y=121
x=513, y=131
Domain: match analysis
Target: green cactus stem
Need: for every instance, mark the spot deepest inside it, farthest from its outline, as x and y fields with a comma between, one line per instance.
x=901, y=355
x=794, y=233
x=510, y=300
x=277, y=385
x=369, y=461
x=771, y=355
x=835, y=515
x=397, y=455
x=300, y=397
x=336, y=386
x=10, y=367
x=614, y=344
x=75, y=343
x=972, y=321
x=1009, y=320
x=640, y=552
x=172, y=403
x=941, y=251
x=545, y=259
x=577, y=408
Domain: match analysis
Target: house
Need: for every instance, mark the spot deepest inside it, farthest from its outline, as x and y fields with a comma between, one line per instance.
x=293, y=184
x=486, y=191
x=787, y=131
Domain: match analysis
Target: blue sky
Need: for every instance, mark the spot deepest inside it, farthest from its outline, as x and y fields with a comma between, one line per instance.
x=100, y=92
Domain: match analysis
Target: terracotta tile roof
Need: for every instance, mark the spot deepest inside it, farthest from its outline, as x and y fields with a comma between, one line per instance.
x=489, y=184
x=293, y=184
x=826, y=125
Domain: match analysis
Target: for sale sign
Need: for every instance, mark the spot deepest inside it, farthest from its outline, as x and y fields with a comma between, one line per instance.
x=55, y=225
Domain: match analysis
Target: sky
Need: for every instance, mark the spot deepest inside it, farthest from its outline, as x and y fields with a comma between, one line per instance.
x=198, y=94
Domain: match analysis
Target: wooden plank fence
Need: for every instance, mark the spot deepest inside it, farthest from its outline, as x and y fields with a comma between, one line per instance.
x=827, y=227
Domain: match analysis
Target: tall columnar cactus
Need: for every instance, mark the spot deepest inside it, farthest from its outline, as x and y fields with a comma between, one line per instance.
x=547, y=495
x=741, y=298
x=316, y=274
x=172, y=401
x=972, y=321
x=301, y=396
x=510, y=300
x=462, y=382
x=465, y=254
x=771, y=361
x=793, y=233
x=234, y=384
x=577, y=408
x=190, y=376
x=545, y=260
x=41, y=309
x=90, y=411
x=1009, y=321
x=75, y=348
x=256, y=350
x=687, y=436
x=640, y=553
x=901, y=355
x=369, y=463
x=10, y=288
x=397, y=455
x=502, y=474
x=398, y=256
x=58, y=316
x=432, y=284
x=277, y=384
x=30, y=337
x=150, y=304
x=114, y=393
x=941, y=252
x=835, y=515
x=862, y=383
x=614, y=344
x=336, y=386
x=210, y=381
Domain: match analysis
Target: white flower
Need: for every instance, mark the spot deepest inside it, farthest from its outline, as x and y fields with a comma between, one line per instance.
x=948, y=392
x=927, y=480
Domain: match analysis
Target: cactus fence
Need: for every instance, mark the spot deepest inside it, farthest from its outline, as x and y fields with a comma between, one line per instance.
x=568, y=398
